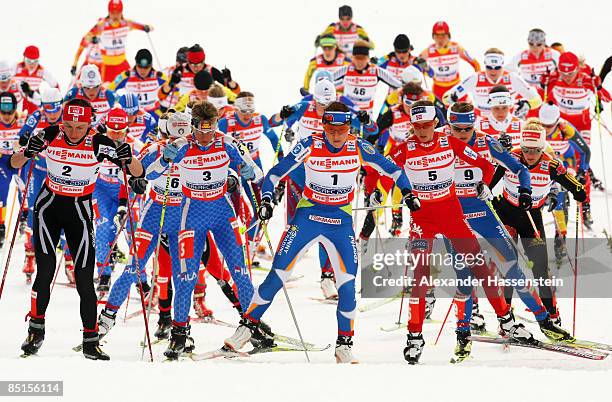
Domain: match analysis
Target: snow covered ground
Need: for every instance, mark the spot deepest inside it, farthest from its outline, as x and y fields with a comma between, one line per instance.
x=267, y=45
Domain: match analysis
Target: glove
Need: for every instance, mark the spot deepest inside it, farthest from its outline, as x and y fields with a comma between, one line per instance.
x=412, y=201
x=522, y=107
x=120, y=217
x=279, y=191
x=421, y=63
x=286, y=111
x=552, y=200
x=506, y=141
x=362, y=174
x=124, y=153
x=376, y=198
x=264, y=212
x=35, y=145
x=484, y=192
x=227, y=74
x=138, y=184
x=246, y=172
x=232, y=183
x=524, y=199
x=304, y=92
x=364, y=117
x=73, y=70
x=580, y=176
x=374, y=60
x=580, y=195
x=169, y=153
x=317, y=39
x=101, y=128
x=289, y=134
x=176, y=76
x=147, y=28
x=23, y=140
x=95, y=39
x=25, y=88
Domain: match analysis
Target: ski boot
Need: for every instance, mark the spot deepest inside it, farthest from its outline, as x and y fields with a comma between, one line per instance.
x=587, y=219
x=23, y=221
x=164, y=325
x=477, y=321
x=199, y=303
x=36, y=336
x=2, y=234
x=91, y=347
x=28, y=266
x=263, y=337
x=556, y=318
x=104, y=285
x=430, y=302
x=118, y=256
x=414, y=347
x=69, y=268
x=508, y=328
x=560, y=250
x=328, y=285
x=363, y=244
x=243, y=334
x=178, y=340
x=343, y=353
x=595, y=182
x=106, y=322
x=553, y=331
x=228, y=291
x=464, y=345
x=396, y=224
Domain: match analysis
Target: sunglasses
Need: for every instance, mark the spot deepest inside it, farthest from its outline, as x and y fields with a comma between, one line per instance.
x=7, y=112
x=52, y=107
x=420, y=126
x=30, y=61
x=549, y=125
x=205, y=127
x=462, y=129
x=94, y=87
x=196, y=64
x=536, y=44
x=493, y=67
x=531, y=151
x=401, y=51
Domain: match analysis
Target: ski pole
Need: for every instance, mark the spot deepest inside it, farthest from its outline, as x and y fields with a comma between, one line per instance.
x=154, y=51
x=156, y=262
x=264, y=227
x=444, y=322
x=601, y=150
x=133, y=251
x=377, y=207
x=10, y=250
x=536, y=232
x=10, y=216
x=578, y=213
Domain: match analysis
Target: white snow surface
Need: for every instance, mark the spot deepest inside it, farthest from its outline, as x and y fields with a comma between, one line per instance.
x=267, y=45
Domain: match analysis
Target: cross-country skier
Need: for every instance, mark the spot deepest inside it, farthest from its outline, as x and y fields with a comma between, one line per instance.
x=330, y=60
x=482, y=219
x=428, y=160
x=345, y=31
x=141, y=124
x=90, y=89
x=31, y=74
x=74, y=154
x=142, y=80
x=500, y=123
x=8, y=83
x=204, y=164
x=544, y=170
x=332, y=161
x=480, y=84
x=443, y=57
x=111, y=197
x=110, y=33
x=10, y=125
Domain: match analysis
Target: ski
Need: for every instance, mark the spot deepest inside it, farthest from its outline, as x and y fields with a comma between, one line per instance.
x=324, y=300
x=66, y=284
x=157, y=341
x=288, y=349
x=395, y=326
x=459, y=359
x=79, y=347
x=139, y=313
x=224, y=351
x=378, y=303
x=581, y=343
x=212, y=320
x=558, y=348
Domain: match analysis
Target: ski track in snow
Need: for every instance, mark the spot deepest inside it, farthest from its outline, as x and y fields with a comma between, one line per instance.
x=286, y=32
